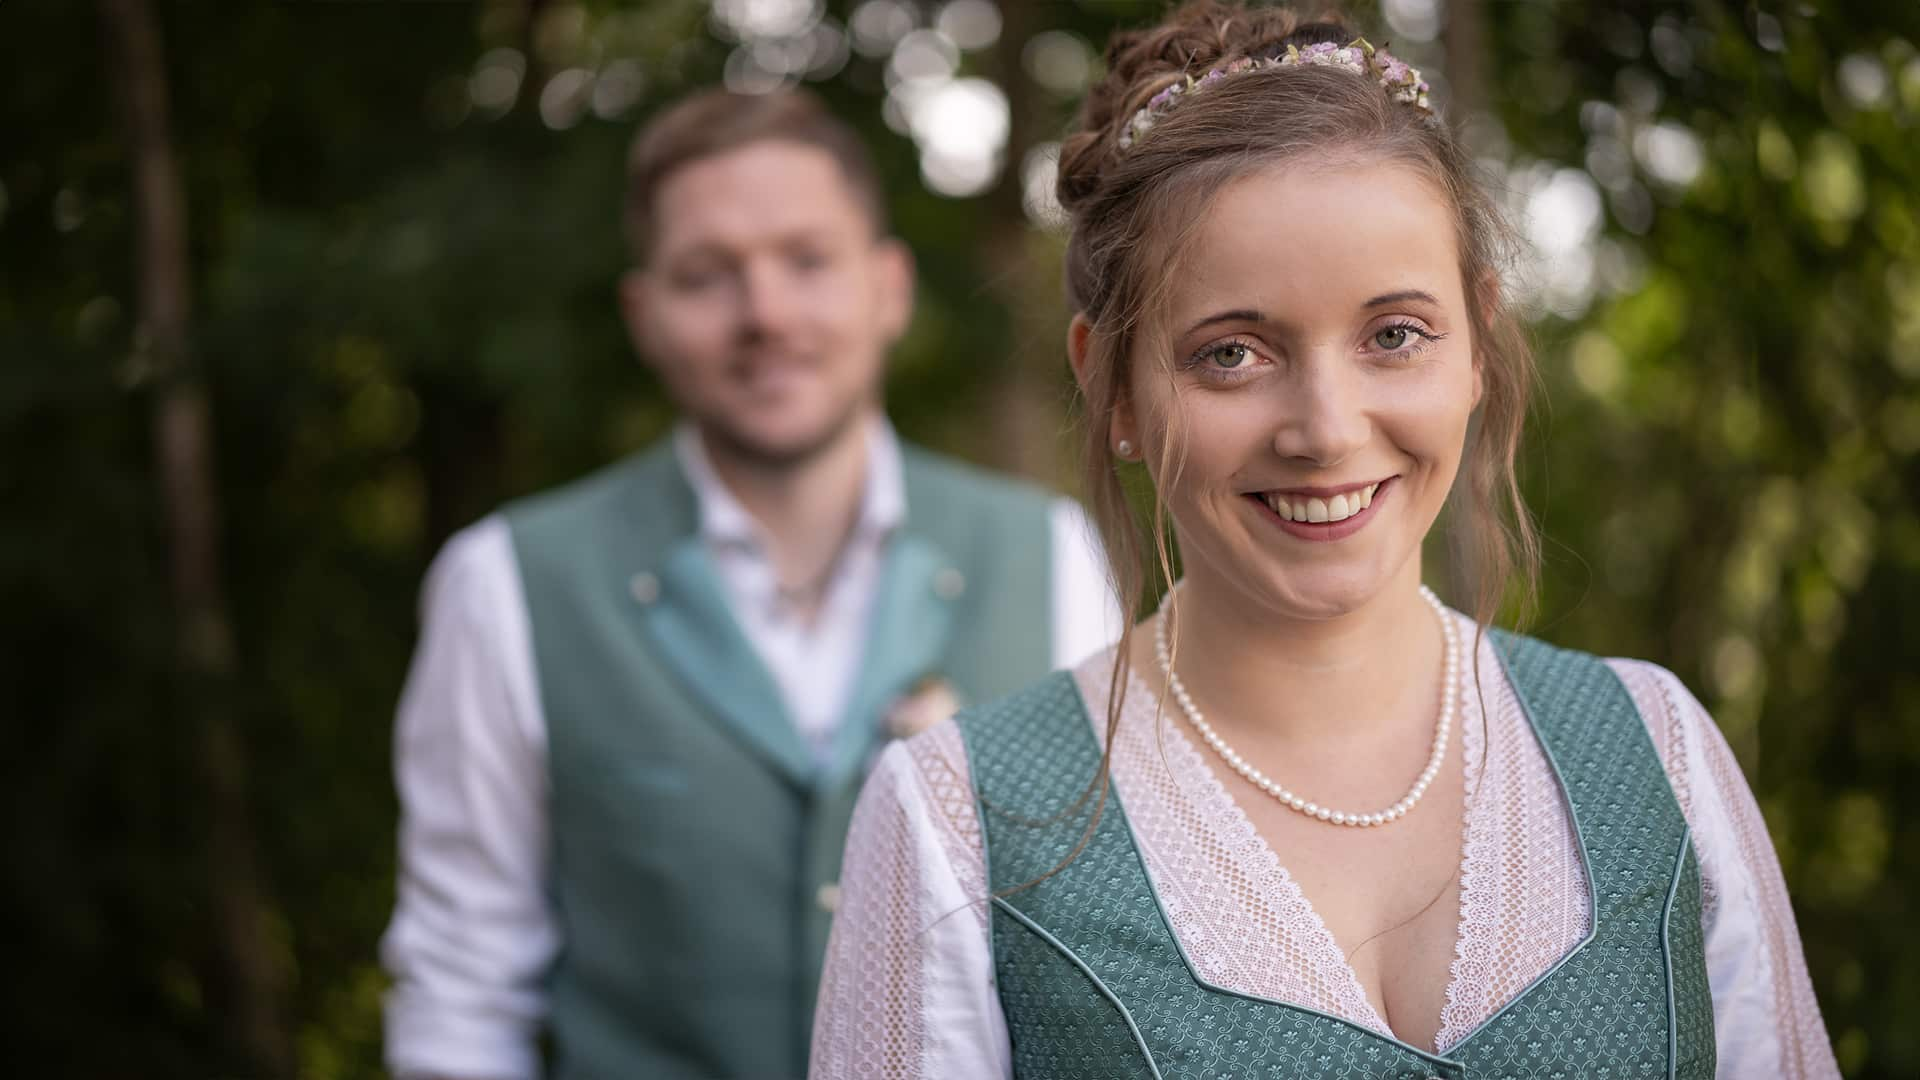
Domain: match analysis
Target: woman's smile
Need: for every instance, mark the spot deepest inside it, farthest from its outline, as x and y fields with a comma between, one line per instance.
x=1322, y=514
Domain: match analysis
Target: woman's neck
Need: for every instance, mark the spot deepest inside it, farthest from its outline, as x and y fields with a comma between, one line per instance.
x=1346, y=679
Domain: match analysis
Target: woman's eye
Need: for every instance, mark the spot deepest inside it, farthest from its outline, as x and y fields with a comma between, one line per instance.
x=1229, y=356
x=1394, y=338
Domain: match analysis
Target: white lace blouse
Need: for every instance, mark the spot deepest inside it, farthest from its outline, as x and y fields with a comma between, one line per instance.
x=908, y=989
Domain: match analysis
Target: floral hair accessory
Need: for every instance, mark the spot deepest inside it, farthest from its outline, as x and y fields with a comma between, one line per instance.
x=1399, y=79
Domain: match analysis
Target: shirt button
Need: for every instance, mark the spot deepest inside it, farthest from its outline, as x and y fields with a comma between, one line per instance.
x=949, y=583
x=827, y=897
x=644, y=587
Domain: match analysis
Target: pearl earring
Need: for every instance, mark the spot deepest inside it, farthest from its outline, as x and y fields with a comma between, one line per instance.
x=1123, y=448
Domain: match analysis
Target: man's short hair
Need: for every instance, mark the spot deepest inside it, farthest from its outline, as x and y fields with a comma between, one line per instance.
x=716, y=121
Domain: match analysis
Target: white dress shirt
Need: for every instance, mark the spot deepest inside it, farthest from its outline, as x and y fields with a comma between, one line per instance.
x=473, y=933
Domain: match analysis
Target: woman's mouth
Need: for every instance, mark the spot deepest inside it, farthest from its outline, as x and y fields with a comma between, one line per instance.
x=1323, y=514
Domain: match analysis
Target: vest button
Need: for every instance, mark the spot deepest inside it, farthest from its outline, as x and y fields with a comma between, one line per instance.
x=644, y=587
x=827, y=897
x=949, y=583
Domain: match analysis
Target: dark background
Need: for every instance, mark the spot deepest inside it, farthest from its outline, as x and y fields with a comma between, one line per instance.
x=240, y=410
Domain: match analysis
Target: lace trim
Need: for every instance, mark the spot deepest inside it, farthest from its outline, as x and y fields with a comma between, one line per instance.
x=1521, y=864
x=940, y=762
x=1241, y=917
x=872, y=1015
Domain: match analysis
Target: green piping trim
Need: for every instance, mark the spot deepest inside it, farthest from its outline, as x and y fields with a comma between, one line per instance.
x=1146, y=1055
x=1666, y=955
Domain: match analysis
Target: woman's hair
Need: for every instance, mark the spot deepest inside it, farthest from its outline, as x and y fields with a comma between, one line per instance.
x=1134, y=208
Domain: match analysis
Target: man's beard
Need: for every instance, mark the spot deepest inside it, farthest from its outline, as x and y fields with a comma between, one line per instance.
x=732, y=442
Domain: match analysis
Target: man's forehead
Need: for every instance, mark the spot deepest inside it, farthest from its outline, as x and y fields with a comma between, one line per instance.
x=755, y=193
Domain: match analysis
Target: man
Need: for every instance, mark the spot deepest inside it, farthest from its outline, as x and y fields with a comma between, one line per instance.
x=642, y=704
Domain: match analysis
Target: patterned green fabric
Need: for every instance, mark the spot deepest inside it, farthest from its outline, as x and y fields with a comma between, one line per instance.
x=1094, y=984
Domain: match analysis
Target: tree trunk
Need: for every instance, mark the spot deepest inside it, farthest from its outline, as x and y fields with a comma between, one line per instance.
x=247, y=972
x=1465, y=43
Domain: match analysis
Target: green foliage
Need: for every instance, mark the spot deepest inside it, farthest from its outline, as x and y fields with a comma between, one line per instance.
x=404, y=312
x=1730, y=473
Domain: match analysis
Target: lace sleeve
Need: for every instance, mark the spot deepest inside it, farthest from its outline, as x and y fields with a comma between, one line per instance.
x=908, y=986
x=1766, y=1020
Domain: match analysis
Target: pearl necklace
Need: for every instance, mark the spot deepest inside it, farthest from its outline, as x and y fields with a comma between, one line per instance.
x=1275, y=788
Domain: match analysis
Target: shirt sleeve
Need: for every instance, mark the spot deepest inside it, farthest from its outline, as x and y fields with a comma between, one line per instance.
x=472, y=935
x=1765, y=1017
x=908, y=987
x=1086, y=610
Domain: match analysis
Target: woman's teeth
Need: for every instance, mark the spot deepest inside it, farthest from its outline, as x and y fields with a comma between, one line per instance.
x=1316, y=510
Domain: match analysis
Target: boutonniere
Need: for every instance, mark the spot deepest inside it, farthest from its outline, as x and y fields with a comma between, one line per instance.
x=930, y=701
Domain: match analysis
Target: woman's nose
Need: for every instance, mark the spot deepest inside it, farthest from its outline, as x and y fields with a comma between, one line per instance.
x=1323, y=419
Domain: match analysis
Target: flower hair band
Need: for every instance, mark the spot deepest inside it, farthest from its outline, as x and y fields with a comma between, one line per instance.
x=1400, y=80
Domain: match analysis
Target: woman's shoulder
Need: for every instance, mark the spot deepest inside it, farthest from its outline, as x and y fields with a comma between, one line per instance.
x=1037, y=721
x=1047, y=696
x=1691, y=746
x=1682, y=731
x=1660, y=697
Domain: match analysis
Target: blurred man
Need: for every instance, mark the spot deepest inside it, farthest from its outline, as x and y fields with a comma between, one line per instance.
x=642, y=704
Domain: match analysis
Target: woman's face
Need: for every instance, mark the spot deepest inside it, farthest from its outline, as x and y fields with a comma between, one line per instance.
x=1322, y=373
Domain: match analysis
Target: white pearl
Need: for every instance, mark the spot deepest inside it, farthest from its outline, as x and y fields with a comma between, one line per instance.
x=1449, y=701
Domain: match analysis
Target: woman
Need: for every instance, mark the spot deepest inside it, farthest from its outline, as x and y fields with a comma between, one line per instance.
x=1306, y=821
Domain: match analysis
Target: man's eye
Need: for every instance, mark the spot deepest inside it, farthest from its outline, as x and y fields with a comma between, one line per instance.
x=696, y=280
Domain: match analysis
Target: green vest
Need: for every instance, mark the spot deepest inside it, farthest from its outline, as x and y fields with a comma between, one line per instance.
x=1095, y=985
x=695, y=838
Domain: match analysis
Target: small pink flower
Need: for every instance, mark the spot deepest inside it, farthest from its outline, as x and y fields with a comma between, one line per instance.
x=928, y=704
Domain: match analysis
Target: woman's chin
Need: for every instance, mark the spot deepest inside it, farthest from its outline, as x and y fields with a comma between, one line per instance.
x=1320, y=596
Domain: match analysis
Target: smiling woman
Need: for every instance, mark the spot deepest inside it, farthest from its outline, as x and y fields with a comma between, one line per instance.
x=1321, y=345
x=1247, y=841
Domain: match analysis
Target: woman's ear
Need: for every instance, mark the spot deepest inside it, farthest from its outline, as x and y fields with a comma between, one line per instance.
x=1123, y=436
x=1078, y=332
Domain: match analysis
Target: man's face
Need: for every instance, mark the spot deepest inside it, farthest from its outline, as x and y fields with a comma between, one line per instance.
x=767, y=303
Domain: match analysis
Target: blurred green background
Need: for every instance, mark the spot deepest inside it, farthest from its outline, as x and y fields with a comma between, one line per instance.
x=391, y=306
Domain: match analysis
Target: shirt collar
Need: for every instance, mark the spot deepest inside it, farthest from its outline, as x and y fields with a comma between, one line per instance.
x=883, y=504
